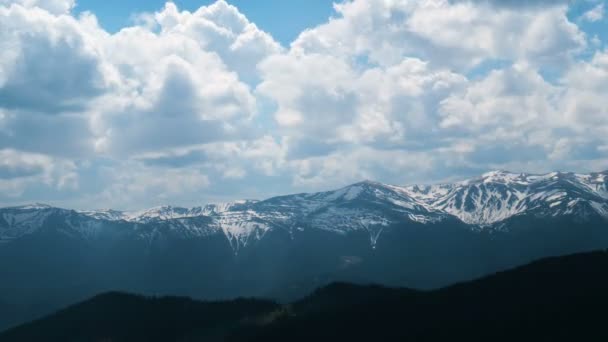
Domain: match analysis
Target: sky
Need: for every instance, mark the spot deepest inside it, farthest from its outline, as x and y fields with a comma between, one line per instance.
x=284, y=20
x=133, y=104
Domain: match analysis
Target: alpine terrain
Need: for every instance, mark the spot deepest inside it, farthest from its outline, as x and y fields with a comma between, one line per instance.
x=417, y=236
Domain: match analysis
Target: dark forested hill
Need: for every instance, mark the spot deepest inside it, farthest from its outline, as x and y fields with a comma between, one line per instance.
x=118, y=316
x=555, y=299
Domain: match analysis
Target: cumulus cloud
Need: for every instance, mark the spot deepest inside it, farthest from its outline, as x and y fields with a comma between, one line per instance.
x=20, y=171
x=135, y=84
x=52, y=6
x=327, y=98
x=14, y=164
x=221, y=28
x=47, y=63
x=179, y=103
x=131, y=183
x=392, y=77
x=584, y=103
x=51, y=68
x=595, y=14
x=517, y=95
x=457, y=34
x=187, y=83
x=187, y=106
x=65, y=135
x=69, y=89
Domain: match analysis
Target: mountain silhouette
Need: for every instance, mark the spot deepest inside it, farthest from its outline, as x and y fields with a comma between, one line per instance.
x=554, y=299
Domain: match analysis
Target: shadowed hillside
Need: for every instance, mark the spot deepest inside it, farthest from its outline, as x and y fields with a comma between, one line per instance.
x=125, y=317
x=555, y=299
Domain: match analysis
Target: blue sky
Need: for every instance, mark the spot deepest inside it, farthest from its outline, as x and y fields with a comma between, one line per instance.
x=283, y=19
x=132, y=104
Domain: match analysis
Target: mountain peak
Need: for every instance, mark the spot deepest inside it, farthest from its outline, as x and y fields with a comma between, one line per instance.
x=367, y=182
x=497, y=176
x=495, y=173
x=33, y=206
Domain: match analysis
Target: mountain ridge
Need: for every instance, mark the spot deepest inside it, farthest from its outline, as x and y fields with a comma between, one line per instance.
x=482, y=202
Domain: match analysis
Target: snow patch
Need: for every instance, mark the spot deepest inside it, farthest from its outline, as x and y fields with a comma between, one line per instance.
x=353, y=192
x=555, y=204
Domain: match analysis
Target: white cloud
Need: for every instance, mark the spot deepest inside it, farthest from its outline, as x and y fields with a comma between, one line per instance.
x=21, y=170
x=264, y=155
x=328, y=100
x=14, y=164
x=180, y=103
x=388, y=77
x=179, y=85
x=51, y=68
x=131, y=185
x=221, y=28
x=52, y=6
x=584, y=104
x=203, y=101
x=457, y=34
x=185, y=85
x=70, y=89
x=595, y=14
x=355, y=165
x=516, y=98
x=48, y=58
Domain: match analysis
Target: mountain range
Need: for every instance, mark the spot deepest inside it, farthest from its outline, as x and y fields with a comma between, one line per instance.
x=482, y=203
x=419, y=236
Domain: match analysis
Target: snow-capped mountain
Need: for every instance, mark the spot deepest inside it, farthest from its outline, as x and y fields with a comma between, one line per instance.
x=368, y=206
x=499, y=195
x=22, y=220
x=481, y=202
x=421, y=236
x=164, y=212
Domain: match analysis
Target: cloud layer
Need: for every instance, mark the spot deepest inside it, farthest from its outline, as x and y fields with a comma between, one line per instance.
x=188, y=107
